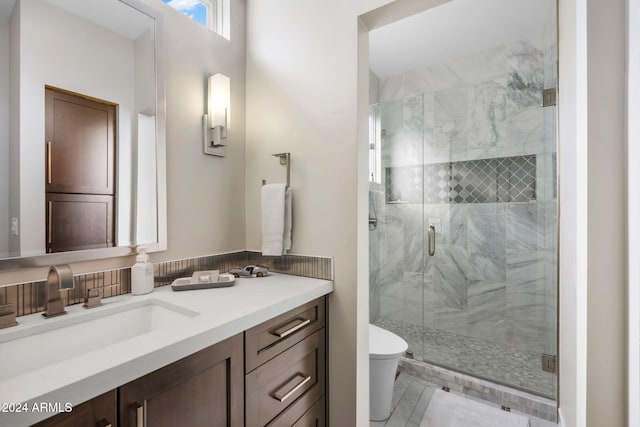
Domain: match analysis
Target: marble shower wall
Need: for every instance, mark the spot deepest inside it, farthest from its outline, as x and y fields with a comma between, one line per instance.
x=493, y=276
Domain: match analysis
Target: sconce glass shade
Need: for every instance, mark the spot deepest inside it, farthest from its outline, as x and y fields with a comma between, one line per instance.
x=218, y=118
x=219, y=101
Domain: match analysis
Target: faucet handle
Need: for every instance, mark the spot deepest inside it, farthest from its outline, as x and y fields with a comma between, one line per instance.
x=92, y=299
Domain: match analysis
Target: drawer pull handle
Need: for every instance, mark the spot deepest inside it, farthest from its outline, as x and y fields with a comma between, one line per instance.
x=49, y=162
x=281, y=397
x=282, y=334
x=139, y=414
x=103, y=423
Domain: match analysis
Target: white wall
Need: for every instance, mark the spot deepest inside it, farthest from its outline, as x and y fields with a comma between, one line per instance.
x=99, y=64
x=606, y=372
x=572, y=178
x=302, y=86
x=206, y=206
x=4, y=137
x=14, y=123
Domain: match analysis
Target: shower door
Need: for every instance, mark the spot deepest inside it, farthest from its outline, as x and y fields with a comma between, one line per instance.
x=471, y=157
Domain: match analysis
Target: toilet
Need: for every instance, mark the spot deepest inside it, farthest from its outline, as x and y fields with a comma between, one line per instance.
x=385, y=350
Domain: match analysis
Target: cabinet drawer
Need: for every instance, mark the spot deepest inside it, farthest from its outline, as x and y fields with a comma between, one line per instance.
x=314, y=417
x=272, y=337
x=299, y=415
x=296, y=375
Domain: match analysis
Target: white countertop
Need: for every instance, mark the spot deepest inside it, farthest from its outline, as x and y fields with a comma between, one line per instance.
x=223, y=312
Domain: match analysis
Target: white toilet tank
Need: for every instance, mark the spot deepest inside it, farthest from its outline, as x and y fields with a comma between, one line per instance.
x=385, y=350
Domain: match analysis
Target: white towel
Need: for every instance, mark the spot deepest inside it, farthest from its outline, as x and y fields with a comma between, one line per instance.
x=276, y=219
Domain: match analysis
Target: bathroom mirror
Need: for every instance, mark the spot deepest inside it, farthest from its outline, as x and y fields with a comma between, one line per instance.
x=107, y=51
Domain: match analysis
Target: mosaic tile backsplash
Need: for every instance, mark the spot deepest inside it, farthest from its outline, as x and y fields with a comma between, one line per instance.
x=29, y=298
x=499, y=180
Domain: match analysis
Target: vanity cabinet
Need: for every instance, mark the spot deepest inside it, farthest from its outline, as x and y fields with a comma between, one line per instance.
x=285, y=361
x=204, y=389
x=100, y=411
x=271, y=375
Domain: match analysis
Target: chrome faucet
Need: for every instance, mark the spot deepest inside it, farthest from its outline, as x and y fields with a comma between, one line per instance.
x=59, y=278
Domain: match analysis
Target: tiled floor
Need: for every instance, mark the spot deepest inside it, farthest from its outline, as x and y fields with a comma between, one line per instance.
x=411, y=397
x=483, y=359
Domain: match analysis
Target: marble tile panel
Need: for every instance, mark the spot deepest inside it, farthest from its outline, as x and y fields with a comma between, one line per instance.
x=486, y=242
x=413, y=113
x=431, y=79
x=525, y=299
x=436, y=150
x=391, y=308
x=449, y=280
x=438, y=215
x=391, y=115
x=487, y=122
x=527, y=133
x=486, y=65
x=458, y=224
x=405, y=148
x=526, y=75
x=414, y=237
x=487, y=311
x=391, y=88
x=524, y=230
x=450, y=121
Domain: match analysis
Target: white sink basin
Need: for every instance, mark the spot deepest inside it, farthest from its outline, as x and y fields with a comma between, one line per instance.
x=51, y=341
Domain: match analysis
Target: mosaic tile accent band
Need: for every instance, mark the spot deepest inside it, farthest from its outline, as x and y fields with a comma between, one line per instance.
x=29, y=298
x=498, y=180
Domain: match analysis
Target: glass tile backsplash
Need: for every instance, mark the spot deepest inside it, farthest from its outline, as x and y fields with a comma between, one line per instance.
x=29, y=298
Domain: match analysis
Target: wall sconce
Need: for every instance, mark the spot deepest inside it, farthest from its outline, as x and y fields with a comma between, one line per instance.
x=217, y=120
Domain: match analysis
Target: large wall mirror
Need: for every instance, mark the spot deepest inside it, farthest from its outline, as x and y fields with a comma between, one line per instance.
x=82, y=139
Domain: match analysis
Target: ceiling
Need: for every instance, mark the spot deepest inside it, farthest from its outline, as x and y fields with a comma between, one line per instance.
x=454, y=29
x=112, y=15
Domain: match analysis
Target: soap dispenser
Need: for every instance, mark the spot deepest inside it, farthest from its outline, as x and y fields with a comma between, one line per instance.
x=142, y=273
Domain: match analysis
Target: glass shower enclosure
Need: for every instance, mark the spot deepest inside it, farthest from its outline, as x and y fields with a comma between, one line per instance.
x=463, y=212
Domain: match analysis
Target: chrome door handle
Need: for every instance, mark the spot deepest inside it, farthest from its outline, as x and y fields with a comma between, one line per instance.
x=432, y=240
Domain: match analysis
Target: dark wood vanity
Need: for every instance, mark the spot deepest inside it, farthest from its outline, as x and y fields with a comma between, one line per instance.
x=270, y=375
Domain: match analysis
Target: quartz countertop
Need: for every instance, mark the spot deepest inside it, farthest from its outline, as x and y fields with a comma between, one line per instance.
x=219, y=314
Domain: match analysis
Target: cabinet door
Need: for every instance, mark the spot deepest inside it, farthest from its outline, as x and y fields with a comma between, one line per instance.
x=80, y=135
x=97, y=412
x=79, y=221
x=204, y=389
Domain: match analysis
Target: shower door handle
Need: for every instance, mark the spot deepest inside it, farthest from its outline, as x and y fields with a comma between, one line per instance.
x=432, y=240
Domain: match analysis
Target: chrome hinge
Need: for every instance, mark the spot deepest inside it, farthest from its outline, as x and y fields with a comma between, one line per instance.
x=549, y=97
x=549, y=363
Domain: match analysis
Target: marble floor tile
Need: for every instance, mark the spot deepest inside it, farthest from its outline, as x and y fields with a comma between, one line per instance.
x=409, y=412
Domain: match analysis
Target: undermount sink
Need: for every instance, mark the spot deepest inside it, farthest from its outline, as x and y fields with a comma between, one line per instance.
x=54, y=340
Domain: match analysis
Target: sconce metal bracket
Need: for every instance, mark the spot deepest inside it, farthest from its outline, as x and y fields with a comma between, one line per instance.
x=211, y=138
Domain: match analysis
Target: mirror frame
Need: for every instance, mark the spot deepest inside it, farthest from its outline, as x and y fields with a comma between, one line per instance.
x=161, y=171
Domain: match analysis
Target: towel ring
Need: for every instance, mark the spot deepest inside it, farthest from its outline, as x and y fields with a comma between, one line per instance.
x=285, y=160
